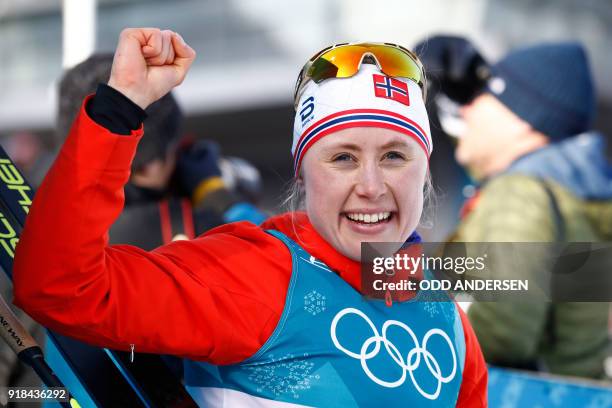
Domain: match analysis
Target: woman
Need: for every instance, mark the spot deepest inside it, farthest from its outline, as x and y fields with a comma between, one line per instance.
x=276, y=310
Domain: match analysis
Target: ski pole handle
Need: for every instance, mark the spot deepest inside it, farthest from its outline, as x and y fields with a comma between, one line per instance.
x=13, y=332
x=28, y=351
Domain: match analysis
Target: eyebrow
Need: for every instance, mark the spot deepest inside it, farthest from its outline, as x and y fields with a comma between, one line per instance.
x=345, y=146
x=355, y=147
x=396, y=144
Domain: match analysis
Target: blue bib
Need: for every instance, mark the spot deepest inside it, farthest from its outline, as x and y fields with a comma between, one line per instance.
x=334, y=348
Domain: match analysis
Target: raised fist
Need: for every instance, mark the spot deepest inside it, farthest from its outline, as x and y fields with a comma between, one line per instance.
x=148, y=63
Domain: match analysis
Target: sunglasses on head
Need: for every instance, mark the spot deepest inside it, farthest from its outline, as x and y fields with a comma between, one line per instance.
x=344, y=60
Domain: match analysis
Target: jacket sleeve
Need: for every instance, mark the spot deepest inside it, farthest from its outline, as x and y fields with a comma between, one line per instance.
x=512, y=208
x=215, y=298
x=473, y=392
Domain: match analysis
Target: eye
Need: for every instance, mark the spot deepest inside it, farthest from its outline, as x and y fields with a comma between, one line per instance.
x=342, y=157
x=394, y=156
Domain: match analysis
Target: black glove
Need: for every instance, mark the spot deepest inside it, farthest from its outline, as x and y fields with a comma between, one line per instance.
x=197, y=164
x=453, y=67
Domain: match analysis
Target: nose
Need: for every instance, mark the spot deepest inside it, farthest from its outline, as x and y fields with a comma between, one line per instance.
x=370, y=182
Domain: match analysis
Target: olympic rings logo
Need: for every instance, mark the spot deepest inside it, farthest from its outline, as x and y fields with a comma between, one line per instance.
x=413, y=359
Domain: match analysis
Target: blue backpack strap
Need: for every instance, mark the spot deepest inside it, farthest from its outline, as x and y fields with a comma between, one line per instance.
x=293, y=249
x=291, y=244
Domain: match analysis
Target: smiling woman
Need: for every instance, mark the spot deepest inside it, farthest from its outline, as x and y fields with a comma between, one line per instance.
x=234, y=303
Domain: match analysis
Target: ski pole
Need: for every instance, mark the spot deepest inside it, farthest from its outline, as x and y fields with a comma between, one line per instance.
x=15, y=199
x=29, y=352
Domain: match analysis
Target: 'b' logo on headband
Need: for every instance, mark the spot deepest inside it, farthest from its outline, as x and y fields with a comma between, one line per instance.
x=389, y=88
x=307, y=109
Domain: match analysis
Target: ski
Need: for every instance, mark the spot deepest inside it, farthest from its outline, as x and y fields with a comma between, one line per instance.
x=96, y=376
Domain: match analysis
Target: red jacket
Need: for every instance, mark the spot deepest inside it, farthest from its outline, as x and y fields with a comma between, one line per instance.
x=215, y=298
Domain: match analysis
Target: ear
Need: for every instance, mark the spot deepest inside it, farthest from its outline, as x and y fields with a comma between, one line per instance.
x=300, y=184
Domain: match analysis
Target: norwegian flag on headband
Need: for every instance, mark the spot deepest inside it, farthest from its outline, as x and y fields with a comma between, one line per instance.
x=385, y=87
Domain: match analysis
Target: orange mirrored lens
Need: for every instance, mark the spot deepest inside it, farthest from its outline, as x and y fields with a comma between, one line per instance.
x=343, y=62
x=396, y=63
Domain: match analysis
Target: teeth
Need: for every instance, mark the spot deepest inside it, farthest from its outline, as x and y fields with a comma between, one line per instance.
x=368, y=218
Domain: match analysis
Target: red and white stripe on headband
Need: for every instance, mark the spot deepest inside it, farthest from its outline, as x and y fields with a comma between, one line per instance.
x=359, y=118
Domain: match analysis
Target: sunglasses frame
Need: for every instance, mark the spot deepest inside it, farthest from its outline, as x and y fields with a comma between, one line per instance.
x=303, y=78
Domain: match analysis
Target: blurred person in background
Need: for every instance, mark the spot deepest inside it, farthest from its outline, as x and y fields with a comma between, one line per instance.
x=25, y=149
x=526, y=138
x=170, y=177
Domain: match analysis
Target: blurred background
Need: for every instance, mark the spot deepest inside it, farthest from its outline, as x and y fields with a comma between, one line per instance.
x=239, y=92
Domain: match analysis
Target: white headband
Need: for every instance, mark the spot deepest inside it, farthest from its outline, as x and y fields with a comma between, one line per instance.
x=367, y=99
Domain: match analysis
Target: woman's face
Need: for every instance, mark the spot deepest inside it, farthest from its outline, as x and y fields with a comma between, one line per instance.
x=364, y=184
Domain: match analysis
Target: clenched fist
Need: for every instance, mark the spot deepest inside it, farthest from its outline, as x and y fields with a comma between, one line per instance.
x=148, y=63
